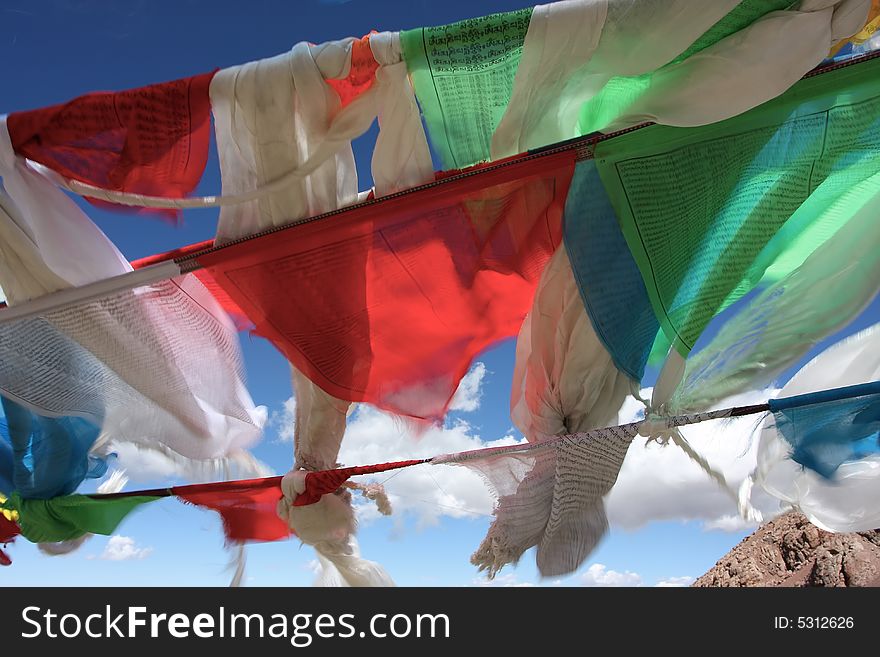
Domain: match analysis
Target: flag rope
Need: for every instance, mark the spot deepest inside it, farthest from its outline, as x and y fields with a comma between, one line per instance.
x=341, y=474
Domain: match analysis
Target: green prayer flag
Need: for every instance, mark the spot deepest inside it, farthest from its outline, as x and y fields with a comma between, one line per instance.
x=70, y=516
x=463, y=77
x=709, y=212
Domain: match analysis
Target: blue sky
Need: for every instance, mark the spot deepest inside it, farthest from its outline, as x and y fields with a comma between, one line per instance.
x=53, y=50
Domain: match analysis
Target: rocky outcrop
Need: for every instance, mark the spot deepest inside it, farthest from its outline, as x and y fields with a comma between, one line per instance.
x=790, y=551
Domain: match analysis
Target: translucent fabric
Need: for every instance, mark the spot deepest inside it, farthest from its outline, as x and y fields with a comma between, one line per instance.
x=564, y=382
x=771, y=331
x=70, y=517
x=751, y=55
x=607, y=276
x=247, y=507
x=319, y=425
x=825, y=432
x=848, y=501
x=47, y=243
x=708, y=211
x=574, y=48
x=281, y=115
x=463, y=76
x=269, y=117
x=50, y=456
x=157, y=365
x=152, y=140
x=551, y=498
x=393, y=300
x=864, y=41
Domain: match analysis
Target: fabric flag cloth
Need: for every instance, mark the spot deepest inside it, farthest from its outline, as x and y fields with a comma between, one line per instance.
x=270, y=116
x=246, y=507
x=47, y=242
x=821, y=295
x=580, y=72
x=550, y=497
x=463, y=76
x=760, y=192
x=761, y=46
x=361, y=71
x=236, y=314
x=319, y=425
x=574, y=48
x=71, y=516
x=564, y=382
x=401, y=157
x=394, y=300
x=159, y=365
x=9, y=529
x=827, y=429
x=837, y=438
x=503, y=84
x=50, y=456
x=607, y=276
x=261, y=141
x=152, y=140
x=862, y=42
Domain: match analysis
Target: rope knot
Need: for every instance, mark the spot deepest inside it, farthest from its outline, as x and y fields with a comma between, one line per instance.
x=655, y=427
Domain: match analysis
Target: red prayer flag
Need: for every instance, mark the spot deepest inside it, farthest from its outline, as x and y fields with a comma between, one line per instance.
x=247, y=507
x=152, y=140
x=388, y=303
x=9, y=529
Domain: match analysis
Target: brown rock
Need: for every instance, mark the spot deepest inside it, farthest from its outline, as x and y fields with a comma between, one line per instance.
x=790, y=551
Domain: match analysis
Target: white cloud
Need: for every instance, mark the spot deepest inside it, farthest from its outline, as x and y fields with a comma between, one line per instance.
x=467, y=397
x=598, y=575
x=507, y=580
x=124, y=548
x=284, y=421
x=730, y=523
x=675, y=582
